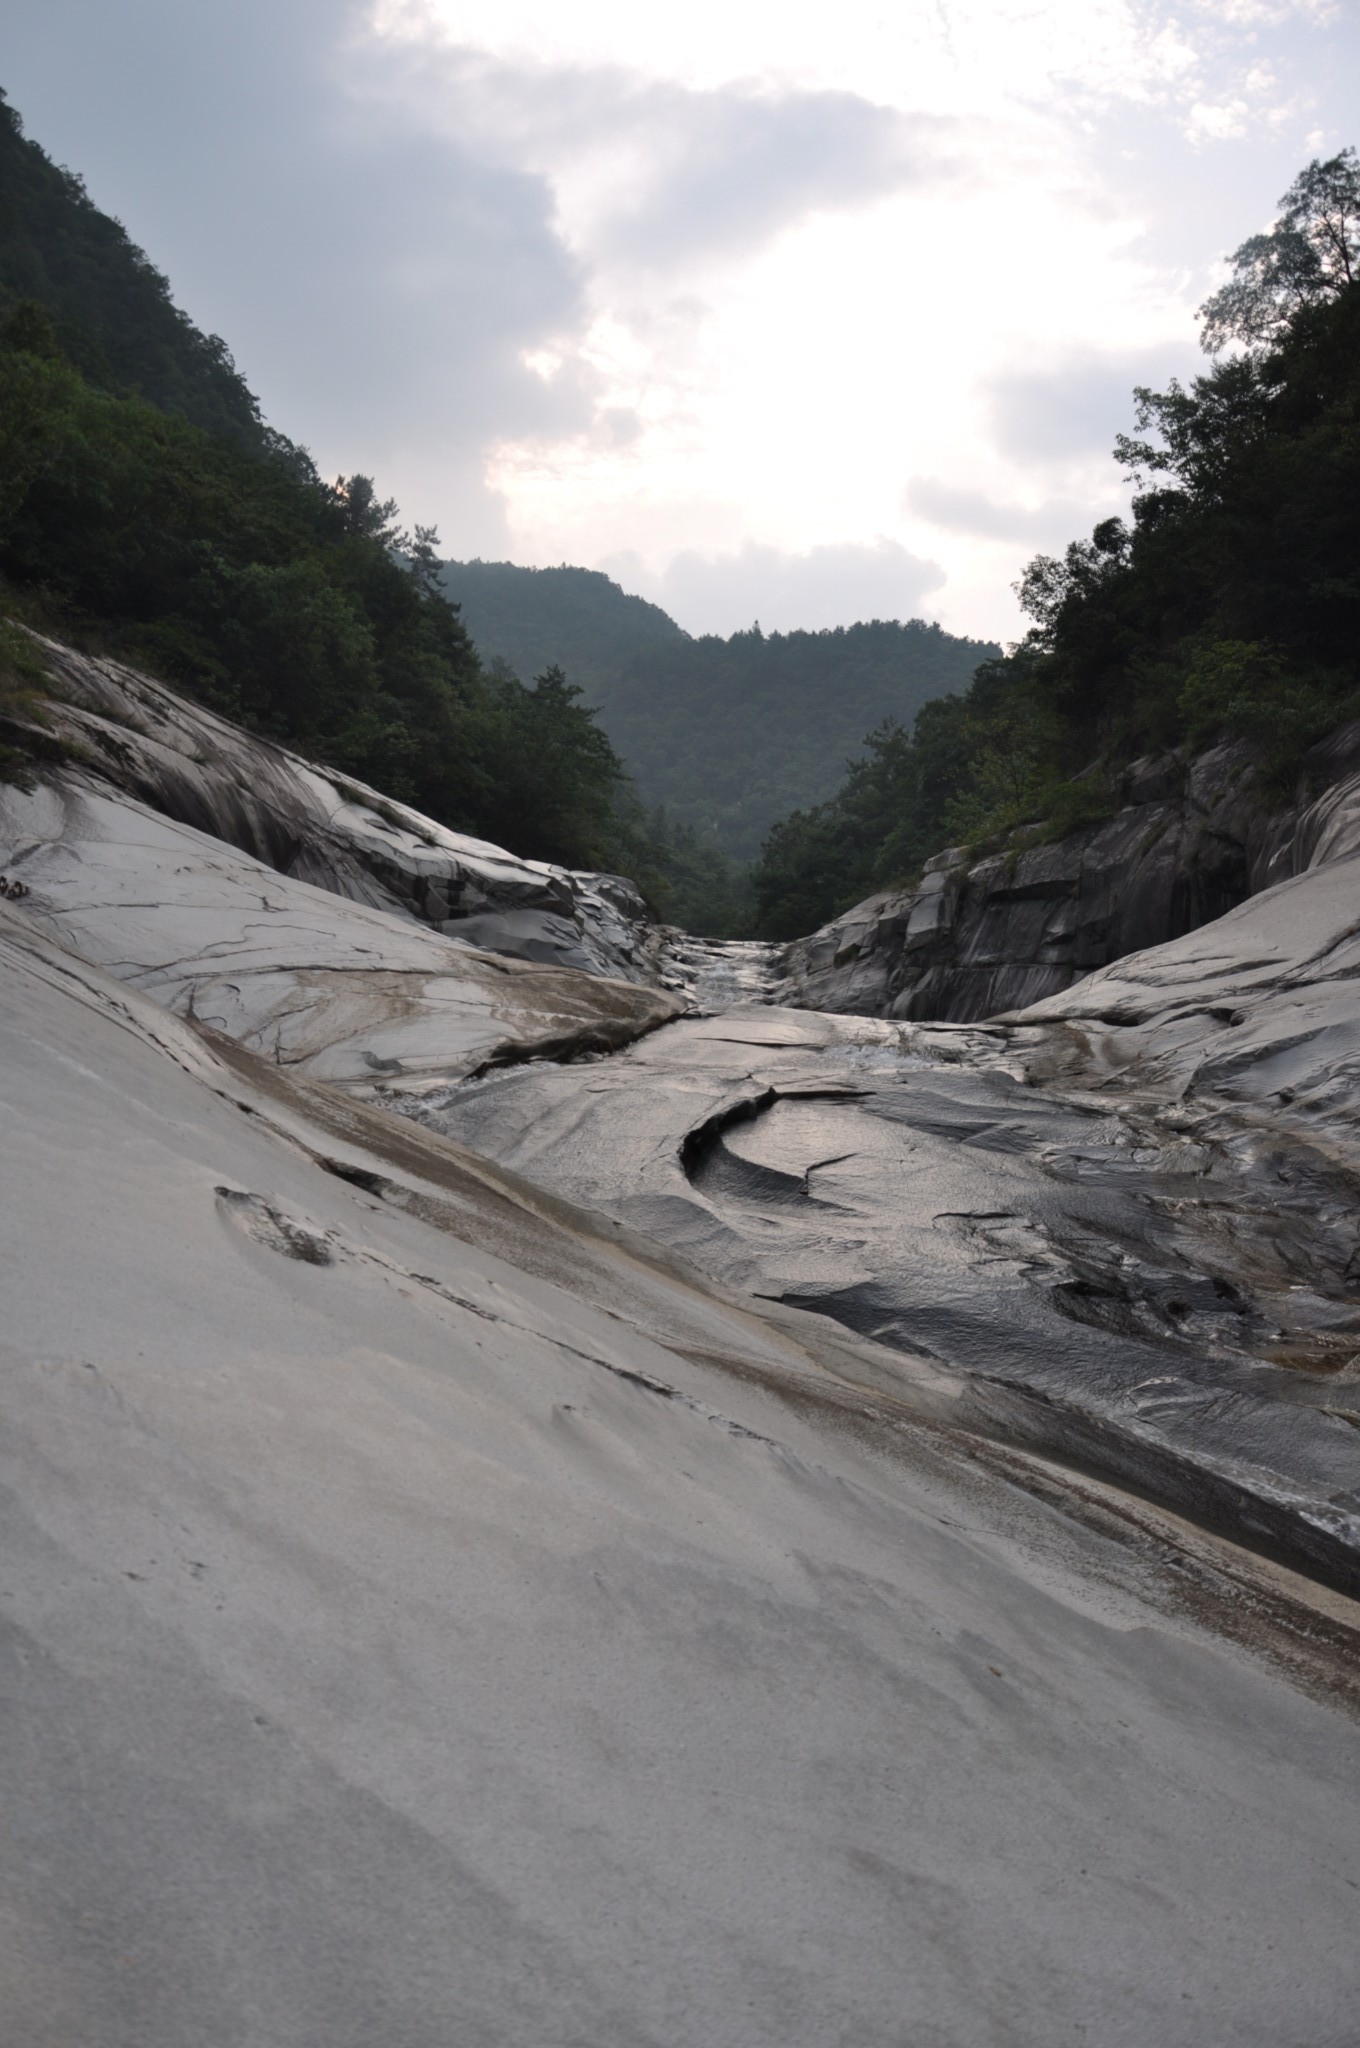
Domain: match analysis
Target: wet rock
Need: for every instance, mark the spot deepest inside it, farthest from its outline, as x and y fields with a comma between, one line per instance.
x=1169, y=1302
x=430, y=1615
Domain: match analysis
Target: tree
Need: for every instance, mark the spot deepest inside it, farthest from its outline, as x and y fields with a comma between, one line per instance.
x=1310, y=254
x=365, y=513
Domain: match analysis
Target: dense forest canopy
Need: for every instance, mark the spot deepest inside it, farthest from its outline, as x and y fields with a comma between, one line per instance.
x=725, y=735
x=1229, y=604
x=579, y=618
x=730, y=734
x=111, y=310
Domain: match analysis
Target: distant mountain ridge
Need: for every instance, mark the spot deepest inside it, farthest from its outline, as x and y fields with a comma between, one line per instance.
x=729, y=735
x=579, y=618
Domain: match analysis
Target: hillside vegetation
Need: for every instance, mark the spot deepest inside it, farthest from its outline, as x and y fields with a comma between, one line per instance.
x=730, y=734
x=725, y=736
x=1228, y=605
x=110, y=309
x=579, y=618
x=146, y=510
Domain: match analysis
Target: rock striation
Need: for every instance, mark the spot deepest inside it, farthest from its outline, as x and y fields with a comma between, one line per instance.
x=321, y=827
x=1169, y=1301
x=434, y=1613
x=976, y=938
x=1129, y=1210
x=316, y=979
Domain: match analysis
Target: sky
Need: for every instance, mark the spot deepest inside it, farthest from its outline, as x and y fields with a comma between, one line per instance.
x=788, y=313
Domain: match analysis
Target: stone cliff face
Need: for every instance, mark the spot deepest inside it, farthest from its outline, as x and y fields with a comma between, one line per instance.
x=979, y=938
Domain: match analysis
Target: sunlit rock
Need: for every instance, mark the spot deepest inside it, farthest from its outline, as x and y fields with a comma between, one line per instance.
x=430, y=1615
x=309, y=977
x=318, y=826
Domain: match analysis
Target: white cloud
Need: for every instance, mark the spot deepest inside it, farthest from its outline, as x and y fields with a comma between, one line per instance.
x=826, y=586
x=938, y=274
x=649, y=173
x=1218, y=124
x=956, y=509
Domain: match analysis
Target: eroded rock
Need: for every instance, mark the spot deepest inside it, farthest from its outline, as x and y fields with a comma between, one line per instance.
x=454, y=1638
x=976, y=938
x=325, y=828
x=311, y=978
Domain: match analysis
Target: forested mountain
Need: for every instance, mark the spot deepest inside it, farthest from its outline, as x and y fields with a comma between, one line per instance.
x=147, y=510
x=579, y=618
x=1230, y=605
x=111, y=310
x=727, y=735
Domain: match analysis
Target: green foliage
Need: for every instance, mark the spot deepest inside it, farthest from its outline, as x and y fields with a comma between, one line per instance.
x=1249, y=688
x=297, y=607
x=563, y=797
x=687, y=879
x=22, y=678
x=812, y=865
x=730, y=734
x=530, y=618
x=103, y=303
x=147, y=509
x=725, y=735
x=1311, y=253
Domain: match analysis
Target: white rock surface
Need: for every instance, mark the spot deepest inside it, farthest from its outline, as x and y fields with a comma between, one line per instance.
x=310, y=978
x=1176, y=1312
x=335, y=832
x=424, y=1620
x=1259, y=1009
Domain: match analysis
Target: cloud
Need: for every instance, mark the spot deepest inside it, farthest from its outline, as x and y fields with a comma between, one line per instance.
x=1072, y=409
x=1225, y=123
x=601, y=276
x=959, y=510
x=728, y=174
x=379, y=286
x=826, y=586
x=649, y=172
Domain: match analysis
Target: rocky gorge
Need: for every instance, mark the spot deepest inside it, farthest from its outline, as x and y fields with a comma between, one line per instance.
x=565, y=1483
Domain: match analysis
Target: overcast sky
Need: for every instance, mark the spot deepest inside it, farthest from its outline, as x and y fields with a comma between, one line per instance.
x=794, y=312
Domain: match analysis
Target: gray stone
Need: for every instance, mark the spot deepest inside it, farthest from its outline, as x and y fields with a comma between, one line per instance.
x=974, y=939
x=432, y=1616
x=328, y=981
